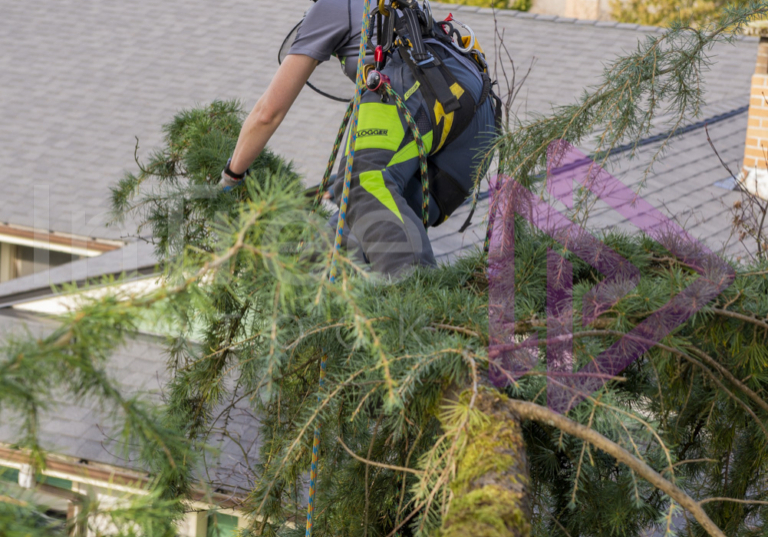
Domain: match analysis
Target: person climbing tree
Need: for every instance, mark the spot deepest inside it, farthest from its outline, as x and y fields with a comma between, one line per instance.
x=442, y=80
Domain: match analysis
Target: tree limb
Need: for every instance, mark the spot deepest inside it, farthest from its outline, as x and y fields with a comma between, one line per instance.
x=734, y=500
x=374, y=463
x=541, y=414
x=739, y=316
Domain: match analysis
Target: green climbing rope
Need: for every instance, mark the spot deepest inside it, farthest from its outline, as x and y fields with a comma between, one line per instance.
x=334, y=154
x=423, y=163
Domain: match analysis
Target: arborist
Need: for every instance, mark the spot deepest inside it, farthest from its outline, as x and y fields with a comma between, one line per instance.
x=442, y=78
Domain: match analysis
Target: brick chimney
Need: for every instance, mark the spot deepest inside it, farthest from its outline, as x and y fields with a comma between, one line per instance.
x=754, y=171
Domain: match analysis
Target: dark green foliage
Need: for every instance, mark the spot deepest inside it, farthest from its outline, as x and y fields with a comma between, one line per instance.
x=183, y=177
x=19, y=518
x=247, y=278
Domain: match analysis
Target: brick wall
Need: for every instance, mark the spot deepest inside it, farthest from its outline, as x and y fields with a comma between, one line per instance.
x=754, y=172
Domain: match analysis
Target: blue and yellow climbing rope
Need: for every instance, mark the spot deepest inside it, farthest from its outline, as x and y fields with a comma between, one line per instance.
x=315, y=450
x=359, y=87
x=355, y=110
x=352, y=112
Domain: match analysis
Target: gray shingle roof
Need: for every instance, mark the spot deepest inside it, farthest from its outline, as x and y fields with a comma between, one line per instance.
x=682, y=185
x=80, y=428
x=83, y=429
x=81, y=80
x=683, y=182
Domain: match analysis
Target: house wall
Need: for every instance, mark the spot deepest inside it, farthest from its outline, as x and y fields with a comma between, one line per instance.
x=61, y=494
x=7, y=262
x=18, y=259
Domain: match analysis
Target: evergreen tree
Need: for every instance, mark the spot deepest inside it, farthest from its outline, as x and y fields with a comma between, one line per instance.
x=414, y=441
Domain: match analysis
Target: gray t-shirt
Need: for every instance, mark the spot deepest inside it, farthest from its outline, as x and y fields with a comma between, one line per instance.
x=332, y=27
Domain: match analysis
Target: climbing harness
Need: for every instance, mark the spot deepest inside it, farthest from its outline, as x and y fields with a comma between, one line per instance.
x=412, y=32
x=379, y=82
x=451, y=109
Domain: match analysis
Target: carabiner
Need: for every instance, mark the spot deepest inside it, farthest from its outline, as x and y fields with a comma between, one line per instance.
x=472, y=39
x=427, y=8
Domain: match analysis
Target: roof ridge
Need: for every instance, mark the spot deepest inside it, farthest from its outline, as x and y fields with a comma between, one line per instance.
x=659, y=137
x=561, y=20
x=681, y=130
x=649, y=140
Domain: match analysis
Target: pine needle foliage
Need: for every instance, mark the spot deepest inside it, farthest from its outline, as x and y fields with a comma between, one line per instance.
x=247, y=277
x=394, y=348
x=72, y=360
x=182, y=177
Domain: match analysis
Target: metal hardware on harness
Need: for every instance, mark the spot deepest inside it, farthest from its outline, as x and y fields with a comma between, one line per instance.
x=430, y=59
x=376, y=80
x=385, y=29
x=395, y=4
x=379, y=58
x=427, y=8
x=455, y=41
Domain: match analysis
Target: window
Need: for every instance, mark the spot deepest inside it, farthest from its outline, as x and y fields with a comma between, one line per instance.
x=25, y=251
x=17, y=261
x=9, y=474
x=221, y=525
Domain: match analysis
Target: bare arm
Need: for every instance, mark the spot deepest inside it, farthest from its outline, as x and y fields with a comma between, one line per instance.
x=271, y=109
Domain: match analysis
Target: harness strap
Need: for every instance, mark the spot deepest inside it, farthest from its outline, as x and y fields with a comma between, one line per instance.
x=497, y=117
x=432, y=78
x=442, y=80
x=485, y=92
x=422, y=60
x=409, y=28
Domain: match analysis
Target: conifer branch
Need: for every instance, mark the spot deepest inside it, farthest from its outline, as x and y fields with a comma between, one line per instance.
x=377, y=464
x=741, y=317
x=733, y=500
x=543, y=415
